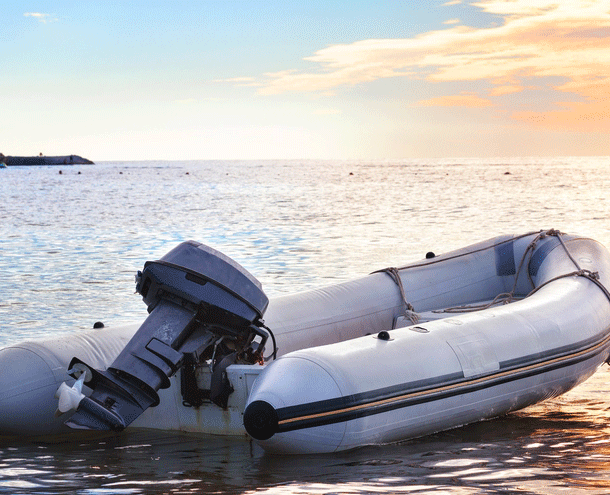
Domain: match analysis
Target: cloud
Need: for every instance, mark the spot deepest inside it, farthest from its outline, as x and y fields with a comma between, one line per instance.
x=506, y=89
x=566, y=41
x=591, y=116
x=44, y=18
x=464, y=99
x=452, y=21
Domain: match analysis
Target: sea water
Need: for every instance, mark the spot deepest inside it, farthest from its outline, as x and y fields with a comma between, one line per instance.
x=73, y=237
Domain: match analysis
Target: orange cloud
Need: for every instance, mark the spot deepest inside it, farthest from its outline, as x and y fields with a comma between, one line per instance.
x=593, y=116
x=538, y=39
x=506, y=90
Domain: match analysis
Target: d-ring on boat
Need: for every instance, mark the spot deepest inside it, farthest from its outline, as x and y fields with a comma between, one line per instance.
x=403, y=352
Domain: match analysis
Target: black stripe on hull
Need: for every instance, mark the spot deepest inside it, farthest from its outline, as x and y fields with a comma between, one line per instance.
x=405, y=395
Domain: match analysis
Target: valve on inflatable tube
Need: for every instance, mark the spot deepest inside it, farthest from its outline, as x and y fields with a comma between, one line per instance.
x=203, y=307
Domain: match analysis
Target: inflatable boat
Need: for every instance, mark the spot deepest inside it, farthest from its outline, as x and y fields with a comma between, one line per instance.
x=403, y=352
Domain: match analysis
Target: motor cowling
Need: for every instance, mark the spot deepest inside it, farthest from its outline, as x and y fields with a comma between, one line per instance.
x=202, y=306
x=196, y=275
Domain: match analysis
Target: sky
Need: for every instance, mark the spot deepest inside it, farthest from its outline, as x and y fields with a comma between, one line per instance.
x=250, y=79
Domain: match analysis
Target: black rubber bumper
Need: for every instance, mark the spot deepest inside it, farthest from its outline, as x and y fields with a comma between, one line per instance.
x=260, y=420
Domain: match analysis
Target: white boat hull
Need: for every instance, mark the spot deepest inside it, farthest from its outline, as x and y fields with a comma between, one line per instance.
x=440, y=374
x=337, y=385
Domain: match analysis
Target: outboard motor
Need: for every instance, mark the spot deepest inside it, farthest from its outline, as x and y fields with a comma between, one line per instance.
x=203, y=307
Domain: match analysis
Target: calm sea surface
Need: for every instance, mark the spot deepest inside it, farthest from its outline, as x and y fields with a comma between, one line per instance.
x=72, y=238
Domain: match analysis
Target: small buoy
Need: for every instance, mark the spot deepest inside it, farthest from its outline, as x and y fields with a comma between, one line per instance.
x=430, y=255
x=98, y=324
x=506, y=173
x=383, y=335
x=187, y=173
x=79, y=172
x=121, y=173
x=351, y=173
x=60, y=172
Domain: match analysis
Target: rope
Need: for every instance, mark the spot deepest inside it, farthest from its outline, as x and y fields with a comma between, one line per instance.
x=508, y=297
x=440, y=259
x=409, y=309
x=410, y=312
x=592, y=276
x=505, y=297
x=568, y=253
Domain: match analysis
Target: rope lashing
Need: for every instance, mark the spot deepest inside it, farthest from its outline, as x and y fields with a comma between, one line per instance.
x=409, y=310
x=505, y=297
x=508, y=297
x=592, y=276
x=527, y=254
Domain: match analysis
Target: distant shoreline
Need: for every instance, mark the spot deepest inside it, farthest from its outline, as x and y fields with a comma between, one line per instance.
x=44, y=160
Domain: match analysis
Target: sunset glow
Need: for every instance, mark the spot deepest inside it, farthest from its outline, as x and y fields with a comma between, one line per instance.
x=237, y=84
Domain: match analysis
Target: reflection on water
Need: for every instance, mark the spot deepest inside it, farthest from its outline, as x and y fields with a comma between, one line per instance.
x=71, y=244
x=545, y=449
